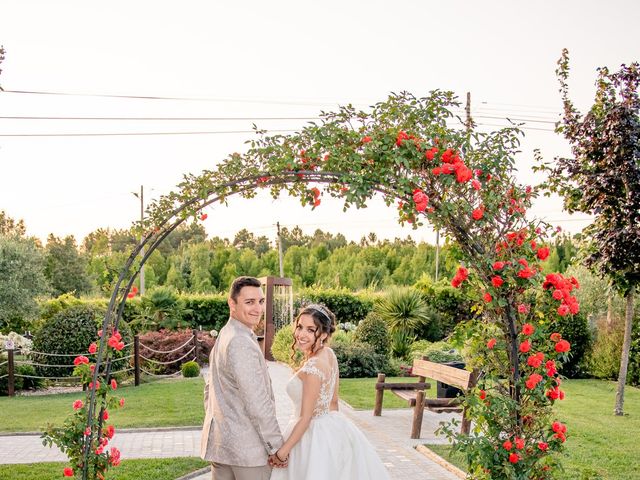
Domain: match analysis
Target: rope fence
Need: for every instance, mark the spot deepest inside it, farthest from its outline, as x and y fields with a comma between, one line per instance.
x=135, y=362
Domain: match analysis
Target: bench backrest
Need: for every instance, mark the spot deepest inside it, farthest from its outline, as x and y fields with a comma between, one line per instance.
x=442, y=373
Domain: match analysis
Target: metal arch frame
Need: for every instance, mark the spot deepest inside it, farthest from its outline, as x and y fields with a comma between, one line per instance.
x=151, y=241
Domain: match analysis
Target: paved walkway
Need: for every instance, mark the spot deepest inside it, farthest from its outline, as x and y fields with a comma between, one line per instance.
x=389, y=434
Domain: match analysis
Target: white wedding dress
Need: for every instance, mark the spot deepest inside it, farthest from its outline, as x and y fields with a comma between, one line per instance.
x=332, y=448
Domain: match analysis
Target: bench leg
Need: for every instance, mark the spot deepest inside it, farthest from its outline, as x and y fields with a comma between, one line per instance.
x=418, y=411
x=377, y=409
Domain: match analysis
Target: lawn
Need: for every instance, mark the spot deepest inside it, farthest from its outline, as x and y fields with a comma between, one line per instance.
x=164, y=403
x=142, y=469
x=599, y=445
x=360, y=392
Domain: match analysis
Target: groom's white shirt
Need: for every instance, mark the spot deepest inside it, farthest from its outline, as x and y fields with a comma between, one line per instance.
x=240, y=426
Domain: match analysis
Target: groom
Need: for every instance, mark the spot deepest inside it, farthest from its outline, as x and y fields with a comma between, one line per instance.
x=240, y=430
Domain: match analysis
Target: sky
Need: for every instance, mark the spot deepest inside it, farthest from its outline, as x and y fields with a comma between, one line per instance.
x=277, y=64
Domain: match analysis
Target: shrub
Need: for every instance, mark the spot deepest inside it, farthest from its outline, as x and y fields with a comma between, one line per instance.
x=347, y=306
x=575, y=329
x=206, y=311
x=161, y=307
x=340, y=336
x=70, y=332
x=20, y=382
x=604, y=359
x=448, y=307
x=373, y=330
x=167, y=342
x=281, y=347
x=358, y=360
x=190, y=369
x=438, y=352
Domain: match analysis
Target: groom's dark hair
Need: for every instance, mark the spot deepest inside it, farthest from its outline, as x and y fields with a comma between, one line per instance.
x=241, y=282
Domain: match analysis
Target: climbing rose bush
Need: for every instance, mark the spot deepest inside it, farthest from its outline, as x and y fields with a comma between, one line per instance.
x=415, y=154
x=81, y=431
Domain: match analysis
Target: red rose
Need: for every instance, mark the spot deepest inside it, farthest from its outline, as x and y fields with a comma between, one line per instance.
x=93, y=348
x=67, y=472
x=557, y=295
x=497, y=281
x=525, y=346
x=523, y=308
x=478, y=213
x=528, y=329
x=105, y=415
x=436, y=170
x=491, y=343
x=507, y=445
x=556, y=337
x=122, y=402
x=203, y=216
x=366, y=139
x=498, y=265
x=402, y=136
x=543, y=253
x=534, y=361
x=563, y=310
x=563, y=346
x=543, y=446
x=514, y=457
x=77, y=405
x=110, y=431
x=430, y=154
x=519, y=443
x=475, y=184
x=482, y=395
x=487, y=297
x=463, y=174
x=114, y=384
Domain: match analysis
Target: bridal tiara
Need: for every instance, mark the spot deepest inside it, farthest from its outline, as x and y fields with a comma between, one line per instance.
x=320, y=309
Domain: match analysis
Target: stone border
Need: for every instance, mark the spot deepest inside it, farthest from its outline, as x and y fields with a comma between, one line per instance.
x=431, y=455
x=197, y=473
x=120, y=430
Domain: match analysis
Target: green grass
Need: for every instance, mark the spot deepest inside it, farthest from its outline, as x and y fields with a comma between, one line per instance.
x=164, y=403
x=360, y=392
x=599, y=445
x=143, y=469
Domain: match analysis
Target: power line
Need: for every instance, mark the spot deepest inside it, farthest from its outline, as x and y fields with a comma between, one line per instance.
x=132, y=134
x=18, y=117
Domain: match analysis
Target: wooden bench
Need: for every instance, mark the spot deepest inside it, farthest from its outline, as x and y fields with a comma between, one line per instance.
x=413, y=393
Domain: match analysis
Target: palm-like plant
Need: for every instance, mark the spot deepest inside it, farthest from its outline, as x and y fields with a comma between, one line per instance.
x=405, y=312
x=162, y=307
x=403, y=309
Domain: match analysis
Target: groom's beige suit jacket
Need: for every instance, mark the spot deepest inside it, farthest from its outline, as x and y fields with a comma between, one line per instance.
x=240, y=426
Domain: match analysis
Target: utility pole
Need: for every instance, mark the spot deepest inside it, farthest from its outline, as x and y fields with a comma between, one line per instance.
x=141, y=197
x=280, y=251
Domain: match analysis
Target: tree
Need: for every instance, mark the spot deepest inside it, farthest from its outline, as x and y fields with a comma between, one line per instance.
x=603, y=179
x=9, y=227
x=65, y=269
x=22, y=280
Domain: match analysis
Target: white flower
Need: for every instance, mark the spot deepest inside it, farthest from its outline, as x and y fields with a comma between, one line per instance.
x=213, y=333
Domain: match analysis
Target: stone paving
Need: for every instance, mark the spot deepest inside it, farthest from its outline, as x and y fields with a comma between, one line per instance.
x=389, y=434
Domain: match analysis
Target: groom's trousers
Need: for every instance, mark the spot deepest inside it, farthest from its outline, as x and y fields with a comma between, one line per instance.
x=233, y=472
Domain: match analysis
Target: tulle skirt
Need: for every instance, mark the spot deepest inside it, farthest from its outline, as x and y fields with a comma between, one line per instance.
x=332, y=448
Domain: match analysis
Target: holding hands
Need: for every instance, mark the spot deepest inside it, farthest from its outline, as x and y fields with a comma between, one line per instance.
x=278, y=461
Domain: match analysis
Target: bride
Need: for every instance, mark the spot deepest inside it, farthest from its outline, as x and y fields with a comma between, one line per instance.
x=321, y=442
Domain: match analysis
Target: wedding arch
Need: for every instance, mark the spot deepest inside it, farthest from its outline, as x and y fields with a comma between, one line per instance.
x=416, y=154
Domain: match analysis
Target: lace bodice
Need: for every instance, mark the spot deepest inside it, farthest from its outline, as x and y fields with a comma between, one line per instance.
x=328, y=374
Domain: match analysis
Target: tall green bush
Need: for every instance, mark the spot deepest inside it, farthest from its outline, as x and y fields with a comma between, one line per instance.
x=347, y=306
x=373, y=330
x=208, y=311
x=281, y=347
x=70, y=332
x=359, y=360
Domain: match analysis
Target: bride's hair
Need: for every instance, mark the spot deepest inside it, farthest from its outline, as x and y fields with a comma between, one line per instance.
x=323, y=318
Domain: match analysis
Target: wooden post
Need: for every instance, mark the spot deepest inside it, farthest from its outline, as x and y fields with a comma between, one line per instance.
x=136, y=360
x=11, y=386
x=269, y=327
x=377, y=409
x=195, y=344
x=418, y=410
